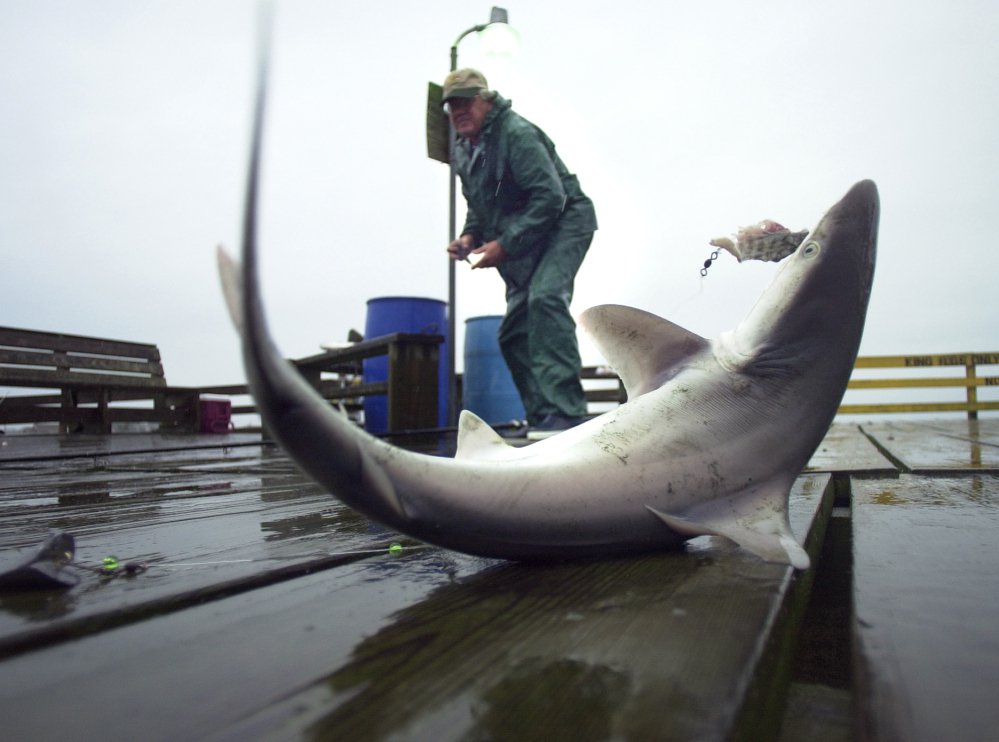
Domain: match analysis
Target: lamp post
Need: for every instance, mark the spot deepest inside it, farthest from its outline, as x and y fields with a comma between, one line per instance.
x=498, y=22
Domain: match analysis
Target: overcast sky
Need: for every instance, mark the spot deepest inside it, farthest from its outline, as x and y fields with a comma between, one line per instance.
x=125, y=130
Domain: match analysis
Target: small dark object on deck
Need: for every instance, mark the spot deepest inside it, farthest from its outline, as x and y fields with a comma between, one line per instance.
x=135, y=568
x=112, y=567
x=45, y=568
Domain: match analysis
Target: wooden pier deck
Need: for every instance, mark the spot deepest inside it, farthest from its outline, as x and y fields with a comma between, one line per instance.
x=256, y=606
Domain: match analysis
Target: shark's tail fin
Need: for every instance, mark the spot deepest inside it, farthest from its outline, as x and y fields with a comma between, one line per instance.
x=291, y=410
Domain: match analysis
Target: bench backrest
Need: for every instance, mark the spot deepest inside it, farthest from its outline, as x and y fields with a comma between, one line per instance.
x=44, y=360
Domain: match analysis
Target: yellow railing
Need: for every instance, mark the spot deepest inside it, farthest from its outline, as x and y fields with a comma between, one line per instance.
x=612, y=392
x=971, y=381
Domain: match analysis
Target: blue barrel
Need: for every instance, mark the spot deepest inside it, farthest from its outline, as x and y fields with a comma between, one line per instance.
x=487, y=388
x=389, y=314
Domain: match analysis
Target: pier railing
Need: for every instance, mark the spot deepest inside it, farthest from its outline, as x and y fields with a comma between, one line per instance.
x=911, y=383
x=916, y=377
x=895, y=384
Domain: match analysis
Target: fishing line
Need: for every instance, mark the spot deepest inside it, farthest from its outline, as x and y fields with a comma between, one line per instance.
x=46, y=566
x=688, y=299
x=394, y=548
x=112, y=566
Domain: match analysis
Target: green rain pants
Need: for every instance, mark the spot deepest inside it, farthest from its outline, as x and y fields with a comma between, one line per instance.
x=538, y=334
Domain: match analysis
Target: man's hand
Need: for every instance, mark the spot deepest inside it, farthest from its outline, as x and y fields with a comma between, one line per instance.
x=461, y=247
x=492, y=255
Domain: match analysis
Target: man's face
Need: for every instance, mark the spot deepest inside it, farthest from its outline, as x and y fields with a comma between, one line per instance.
x=467, y=116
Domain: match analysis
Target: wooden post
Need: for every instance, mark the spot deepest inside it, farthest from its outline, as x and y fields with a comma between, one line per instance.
x=67, y=410
x=969, y=366
x=412, y=386
x=103, y=424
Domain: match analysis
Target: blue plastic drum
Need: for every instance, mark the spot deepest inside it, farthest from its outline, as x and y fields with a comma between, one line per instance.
x=487, y=388
x=389, y=314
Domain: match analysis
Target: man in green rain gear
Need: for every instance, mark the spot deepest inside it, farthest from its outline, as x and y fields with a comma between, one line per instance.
x=528, y=218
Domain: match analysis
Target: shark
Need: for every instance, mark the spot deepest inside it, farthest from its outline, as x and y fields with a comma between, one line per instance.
x=712, y=436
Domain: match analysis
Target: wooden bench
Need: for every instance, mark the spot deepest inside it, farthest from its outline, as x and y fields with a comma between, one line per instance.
x=411, y=384
x=90, y=375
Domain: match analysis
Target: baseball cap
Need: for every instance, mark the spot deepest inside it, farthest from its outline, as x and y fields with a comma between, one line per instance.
x=466, y=83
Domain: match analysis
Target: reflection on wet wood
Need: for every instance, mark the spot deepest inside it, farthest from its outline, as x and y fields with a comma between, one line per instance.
x=203, y=524
x=17, y=450
x=595, y=651
x=939, y=445
x=436, y=645
x=845, y=449
x=926, y=592
x=267, y=609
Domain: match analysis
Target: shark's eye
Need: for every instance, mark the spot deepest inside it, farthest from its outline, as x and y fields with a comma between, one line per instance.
x=810, y=249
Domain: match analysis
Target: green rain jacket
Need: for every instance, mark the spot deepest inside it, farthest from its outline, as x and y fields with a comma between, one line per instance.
x=518, y=191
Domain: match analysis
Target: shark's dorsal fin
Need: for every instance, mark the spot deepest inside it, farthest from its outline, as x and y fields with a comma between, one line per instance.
x=755, y=520
x=643, y=349
x=478, y=441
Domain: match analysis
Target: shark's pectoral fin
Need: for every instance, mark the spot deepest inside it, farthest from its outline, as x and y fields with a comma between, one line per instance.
x=644, y=350
x=761, y=529
x=231, y=276
x=478, y=441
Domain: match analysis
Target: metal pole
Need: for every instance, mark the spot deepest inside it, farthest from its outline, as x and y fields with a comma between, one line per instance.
x=497, y=15
x=452, y=376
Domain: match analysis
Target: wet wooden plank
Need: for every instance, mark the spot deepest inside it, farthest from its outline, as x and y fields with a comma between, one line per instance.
x=926, y=594
x=44, y=448
x=846, y=449
x=206, y=522
x=939, y=446
x=434, y=645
